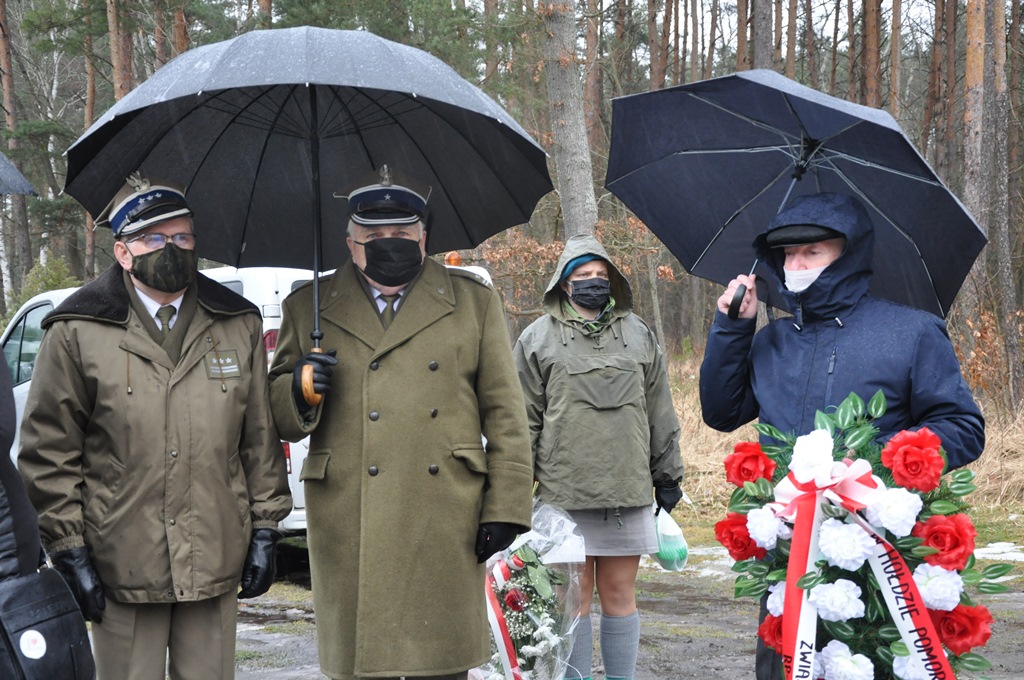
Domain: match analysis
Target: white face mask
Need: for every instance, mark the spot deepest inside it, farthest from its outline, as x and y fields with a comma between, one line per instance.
x=800, y=280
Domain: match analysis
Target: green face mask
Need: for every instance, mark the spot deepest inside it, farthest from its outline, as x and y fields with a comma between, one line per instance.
x=170, y=269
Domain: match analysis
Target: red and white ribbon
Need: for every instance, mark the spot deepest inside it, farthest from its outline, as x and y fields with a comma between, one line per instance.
x=499, y=628
x=850, y=486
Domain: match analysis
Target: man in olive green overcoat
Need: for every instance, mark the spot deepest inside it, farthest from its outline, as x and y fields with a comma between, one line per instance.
x=404, y=499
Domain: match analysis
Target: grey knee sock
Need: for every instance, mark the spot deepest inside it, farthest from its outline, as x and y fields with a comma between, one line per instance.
x=582, y=650
x=620, y=641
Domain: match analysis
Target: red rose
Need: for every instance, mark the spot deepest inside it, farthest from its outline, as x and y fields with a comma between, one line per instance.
x=964, y=628
x=952, y=535
x=515, y=600
x=770, y=631
x=747, y=463
x=732, y=533
x=914, y=459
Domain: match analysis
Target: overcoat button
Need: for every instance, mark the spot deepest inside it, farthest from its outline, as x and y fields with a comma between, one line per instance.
x=433, y=413
x=173, y=522
x=374, y=416
x=174, y=454
x=432, y=366
x=374, y=365
x=373, y=470
x=432, y=469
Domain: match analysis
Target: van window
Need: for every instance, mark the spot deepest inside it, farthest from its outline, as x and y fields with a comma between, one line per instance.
x=235, y=286
x=22, y=344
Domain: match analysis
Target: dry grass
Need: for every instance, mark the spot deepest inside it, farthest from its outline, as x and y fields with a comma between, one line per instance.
x=1000, y=470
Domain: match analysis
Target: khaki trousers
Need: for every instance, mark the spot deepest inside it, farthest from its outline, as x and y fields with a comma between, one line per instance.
x=188, y=640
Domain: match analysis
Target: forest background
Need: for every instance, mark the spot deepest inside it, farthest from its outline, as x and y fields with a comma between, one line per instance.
x=949, y=72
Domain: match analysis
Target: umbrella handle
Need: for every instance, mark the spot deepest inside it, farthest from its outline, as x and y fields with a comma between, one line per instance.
x=312, y=398
x=734, y=306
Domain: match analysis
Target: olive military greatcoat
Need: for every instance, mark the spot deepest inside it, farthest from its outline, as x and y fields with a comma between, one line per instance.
x=397, y=479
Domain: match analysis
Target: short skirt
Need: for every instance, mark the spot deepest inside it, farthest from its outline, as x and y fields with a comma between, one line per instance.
x=617, y=532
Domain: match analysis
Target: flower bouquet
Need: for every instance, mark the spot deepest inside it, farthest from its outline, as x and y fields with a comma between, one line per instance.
x=533, y=596
x=865, y=553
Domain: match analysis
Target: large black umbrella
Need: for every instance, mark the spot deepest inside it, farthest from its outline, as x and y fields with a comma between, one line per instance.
x=11, y=180
x=264, y=129
x=708, y=164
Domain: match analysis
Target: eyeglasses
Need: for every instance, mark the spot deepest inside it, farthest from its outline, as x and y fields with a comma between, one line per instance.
x=157, y=241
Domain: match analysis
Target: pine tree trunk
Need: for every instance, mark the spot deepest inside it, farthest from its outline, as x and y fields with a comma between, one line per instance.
x=791, y=40
x=574, y=175
x=180, y=41
x=895, y=55
x=159, y=33
x=656, y=78
x=851, y=52
x=872, y=53
x=266, y=14
x=762, y=32
x=932, y=94
x=88, y=115
x=812, y=49
x=22, y=263
x=742, y=46
x=777, y=63
x=593, y=101
x=835, y=50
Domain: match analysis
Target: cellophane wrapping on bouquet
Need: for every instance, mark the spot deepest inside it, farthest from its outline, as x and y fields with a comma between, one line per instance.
x=533, y=596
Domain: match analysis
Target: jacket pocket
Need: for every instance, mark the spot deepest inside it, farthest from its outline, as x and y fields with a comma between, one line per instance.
x=605, y=382
x=314, y=468
x=103, y=496
x=474, y=458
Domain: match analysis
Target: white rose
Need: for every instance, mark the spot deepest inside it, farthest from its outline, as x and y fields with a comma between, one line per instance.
x=940, y=588
x=764, y=527
x=895, y=509
x=844, y=545
x=838, y=601
x=812, y=458
x=841, y=664
x=910, y=668
x=776, y=598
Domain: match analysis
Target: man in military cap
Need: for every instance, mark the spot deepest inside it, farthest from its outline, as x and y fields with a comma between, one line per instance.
x=149, y=451
x=404, y=501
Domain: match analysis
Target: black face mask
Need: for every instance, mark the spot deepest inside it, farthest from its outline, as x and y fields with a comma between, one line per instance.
x=392, y=261
x=170, y=269
x=590, y=293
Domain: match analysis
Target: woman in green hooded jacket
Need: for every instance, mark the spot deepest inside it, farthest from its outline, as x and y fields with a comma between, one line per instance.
x=604, y=433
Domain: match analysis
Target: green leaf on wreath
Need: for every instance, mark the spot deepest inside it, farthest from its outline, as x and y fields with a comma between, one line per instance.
x=875, y=610
x=996, y=570
x=973, y=662
x=765, y=488
x=823, y=421
x=741, y=566
x=782, y=547
x=970, y=561
x=963, y=475
x=962, y=488
x=776, y=576
x=924, y=551
x=809, y=580
x=540, y=581
x=750, y=488
x=840, y=630
x=889, y=632
x=970, y=577
x=758, y=569
x=885, y=655
x=877, y=405
x=906, y=544
x=773, y=433
x=837, y=511
x=860, y=436
x=845, y=415
x=856, y=403
x=989, y=588
x=899, y=648
x=745, y=507
x=943, y=508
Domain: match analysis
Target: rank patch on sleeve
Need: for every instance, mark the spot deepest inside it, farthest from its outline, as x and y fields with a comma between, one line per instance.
x=223, y=364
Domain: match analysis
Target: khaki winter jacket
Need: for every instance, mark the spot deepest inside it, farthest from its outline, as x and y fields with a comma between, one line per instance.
x=603, y=427
x=163, y=470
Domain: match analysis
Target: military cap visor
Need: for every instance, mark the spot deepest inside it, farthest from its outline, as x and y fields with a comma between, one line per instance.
x=144, y=208
x=798, y=235
x=386, y=204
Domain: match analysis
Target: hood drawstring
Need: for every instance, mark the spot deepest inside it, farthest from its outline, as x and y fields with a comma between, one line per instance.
x=128, y=371
x=839, y=321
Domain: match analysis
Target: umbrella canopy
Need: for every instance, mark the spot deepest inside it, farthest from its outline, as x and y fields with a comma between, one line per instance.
x=707, y=165
x=11, y=180
x=267, y=128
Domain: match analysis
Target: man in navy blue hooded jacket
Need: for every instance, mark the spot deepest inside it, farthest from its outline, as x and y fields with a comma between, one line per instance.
x=840, y=339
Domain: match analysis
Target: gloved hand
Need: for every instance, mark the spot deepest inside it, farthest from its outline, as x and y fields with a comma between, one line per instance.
x=492, y=537
x=260, y=566
x=667, y=494
x=75, y=566
x=321, y=363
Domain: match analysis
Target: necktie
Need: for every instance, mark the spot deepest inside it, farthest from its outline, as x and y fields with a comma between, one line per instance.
x=164, y=315
x=388, y=313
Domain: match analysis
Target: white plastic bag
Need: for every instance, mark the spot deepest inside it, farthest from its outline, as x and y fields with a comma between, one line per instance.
x=672, y=548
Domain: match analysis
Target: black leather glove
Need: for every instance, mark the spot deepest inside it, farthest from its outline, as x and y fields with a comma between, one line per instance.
x=492, y=537
x=260, y=566
x=321, y=363
x=75, y=566
x=667, y=495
